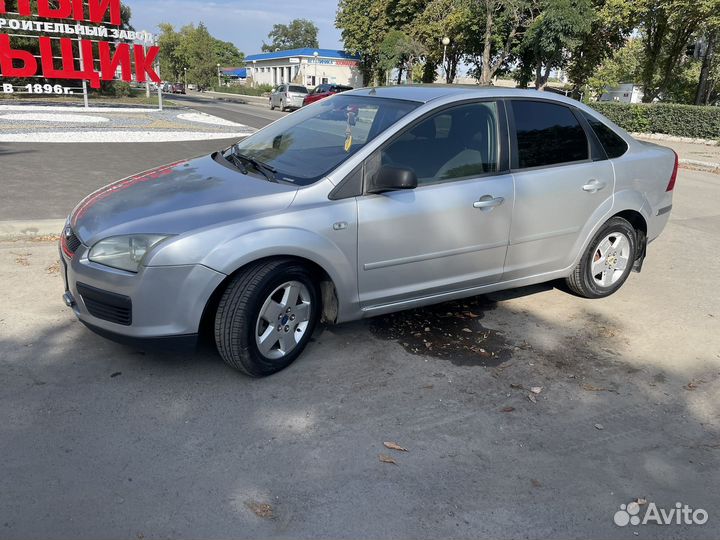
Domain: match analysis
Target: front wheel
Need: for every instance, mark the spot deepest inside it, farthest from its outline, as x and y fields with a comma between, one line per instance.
x=608, y=261
x=266, y=317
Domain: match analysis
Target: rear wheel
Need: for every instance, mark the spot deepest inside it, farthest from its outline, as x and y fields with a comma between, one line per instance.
x=608, y=261
x=266, y=317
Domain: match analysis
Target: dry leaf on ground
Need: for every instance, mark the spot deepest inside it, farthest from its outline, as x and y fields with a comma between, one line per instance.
x=507, y=409
x=262, y=510
x=599, y=426
x=536, y=389
x=394, y=446
x=386, y=459
x=532, y=398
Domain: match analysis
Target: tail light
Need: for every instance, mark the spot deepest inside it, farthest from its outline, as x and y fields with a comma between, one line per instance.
x=673, y=178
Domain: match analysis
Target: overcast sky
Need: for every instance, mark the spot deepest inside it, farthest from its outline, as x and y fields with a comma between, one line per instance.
x=246, y=23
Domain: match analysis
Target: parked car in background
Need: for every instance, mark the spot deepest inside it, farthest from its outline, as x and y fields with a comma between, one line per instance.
x=288, y=96
x=433, y=194
x=325, y=90
x=178, y=88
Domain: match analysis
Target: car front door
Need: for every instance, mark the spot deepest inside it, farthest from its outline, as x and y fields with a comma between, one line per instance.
x=451, y=232
x=563, y=185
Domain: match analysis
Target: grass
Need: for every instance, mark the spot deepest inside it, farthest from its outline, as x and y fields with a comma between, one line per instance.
x=138, y=99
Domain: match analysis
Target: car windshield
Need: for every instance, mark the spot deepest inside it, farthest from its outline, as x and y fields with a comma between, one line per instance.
x=297, y=89
x=306, y=145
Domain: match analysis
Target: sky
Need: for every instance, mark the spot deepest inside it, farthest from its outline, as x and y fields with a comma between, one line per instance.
x=246, y=23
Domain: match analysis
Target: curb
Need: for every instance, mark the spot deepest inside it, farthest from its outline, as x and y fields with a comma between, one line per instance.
x=700, y=165
x=31, y=230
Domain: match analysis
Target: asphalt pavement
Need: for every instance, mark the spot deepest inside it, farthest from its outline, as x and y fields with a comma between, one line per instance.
x=46, y=181
x=526, y=414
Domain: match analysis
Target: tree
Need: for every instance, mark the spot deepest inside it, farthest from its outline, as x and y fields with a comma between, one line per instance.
x=398, y=50
x=455, y=19
x=227, y=54
x=300, y=33
x=622, y=67
x=558, y=28
x=197, y=50
x=503, y=22
x=611, y=26
x=667, y=27
x=363, y=25
x=172, y=61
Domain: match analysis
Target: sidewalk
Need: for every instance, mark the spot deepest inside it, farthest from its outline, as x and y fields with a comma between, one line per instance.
x=53, y=124
x=692, y=155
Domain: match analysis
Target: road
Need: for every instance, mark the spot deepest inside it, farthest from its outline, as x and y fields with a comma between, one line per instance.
x=46, y=181
x=102, y=441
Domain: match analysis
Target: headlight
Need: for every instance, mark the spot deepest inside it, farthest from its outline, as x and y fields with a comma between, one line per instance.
x=124, y=252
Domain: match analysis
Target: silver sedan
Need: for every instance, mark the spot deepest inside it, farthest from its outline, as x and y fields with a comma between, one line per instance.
x=288, y=96
x=365, y=203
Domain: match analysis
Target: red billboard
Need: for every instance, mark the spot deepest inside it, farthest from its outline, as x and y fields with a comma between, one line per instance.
x=76, y=40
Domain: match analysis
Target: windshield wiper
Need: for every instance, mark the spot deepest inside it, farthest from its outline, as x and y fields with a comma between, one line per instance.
x=266, y=170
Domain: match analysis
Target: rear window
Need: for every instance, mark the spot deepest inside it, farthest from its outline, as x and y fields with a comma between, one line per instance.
x=338, y=88
x=613, y=143
x=548, y=134
x=298, y=89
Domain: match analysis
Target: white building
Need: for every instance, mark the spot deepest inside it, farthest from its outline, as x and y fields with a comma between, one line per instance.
x=309, y=67
x=624, y=93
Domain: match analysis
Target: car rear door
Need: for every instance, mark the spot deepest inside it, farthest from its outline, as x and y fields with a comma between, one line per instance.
x=451, y=232
x=564, y=185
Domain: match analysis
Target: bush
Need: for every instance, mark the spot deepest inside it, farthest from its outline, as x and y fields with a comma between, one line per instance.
x=668, y=118
x=246, y=90
x=122, y=89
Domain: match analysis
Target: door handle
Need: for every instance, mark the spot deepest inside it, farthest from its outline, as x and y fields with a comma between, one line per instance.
x=593, y=186
x=488, y=202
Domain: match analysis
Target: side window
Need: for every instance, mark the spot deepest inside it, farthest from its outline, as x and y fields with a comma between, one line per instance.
x=547, y=134
x=456, y=143
x=613, y=144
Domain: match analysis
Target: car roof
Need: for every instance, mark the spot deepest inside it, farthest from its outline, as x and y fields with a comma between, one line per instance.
x=425, y=93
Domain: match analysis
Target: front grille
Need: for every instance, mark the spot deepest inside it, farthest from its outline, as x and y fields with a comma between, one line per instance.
x=107, y=306
x=69, y=242
x=73, y=242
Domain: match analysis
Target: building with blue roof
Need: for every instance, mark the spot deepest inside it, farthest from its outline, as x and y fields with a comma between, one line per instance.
x=307, y=66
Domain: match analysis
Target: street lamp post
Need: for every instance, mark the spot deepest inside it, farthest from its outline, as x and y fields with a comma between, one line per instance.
x=445, y=42
x=185, y=69
x=219, y=80
x=254, y=73
x=315, y=55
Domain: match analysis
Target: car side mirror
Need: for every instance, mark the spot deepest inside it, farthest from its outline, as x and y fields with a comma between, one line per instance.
x=393, y=179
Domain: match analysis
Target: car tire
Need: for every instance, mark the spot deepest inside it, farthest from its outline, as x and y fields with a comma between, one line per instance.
x=608, y=261
x=279, y=289
x=272, y=107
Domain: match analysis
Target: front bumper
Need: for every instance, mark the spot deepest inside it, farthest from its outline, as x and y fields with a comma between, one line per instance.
x=163, y=303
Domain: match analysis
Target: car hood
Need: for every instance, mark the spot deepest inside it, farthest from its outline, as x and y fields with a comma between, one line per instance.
x=176, y=198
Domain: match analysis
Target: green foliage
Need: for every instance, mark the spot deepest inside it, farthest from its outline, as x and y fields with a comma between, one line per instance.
x=227, y=54
x=258, y=90
x=609, y=31
x=195, y=50
x=668, y=118
x=300, y=33
x=121, y=89
x=622, y=67
x=560, y=27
